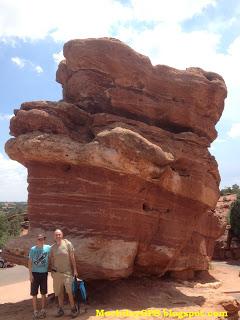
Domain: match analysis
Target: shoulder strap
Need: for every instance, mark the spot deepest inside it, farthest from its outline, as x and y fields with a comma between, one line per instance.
x=68, y=249
x=68, y=245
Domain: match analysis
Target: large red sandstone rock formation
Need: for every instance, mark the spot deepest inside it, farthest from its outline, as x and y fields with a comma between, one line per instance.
x=121, y=164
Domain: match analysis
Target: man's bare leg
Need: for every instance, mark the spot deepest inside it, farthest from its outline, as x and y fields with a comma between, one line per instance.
x=74, y=310
x=60, y=312
x=60, y=299
x=71, y=300
x=44, y=301
x=34, y=302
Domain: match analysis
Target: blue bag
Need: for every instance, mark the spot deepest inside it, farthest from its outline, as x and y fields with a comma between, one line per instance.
x=83, y=291
x=79, y=291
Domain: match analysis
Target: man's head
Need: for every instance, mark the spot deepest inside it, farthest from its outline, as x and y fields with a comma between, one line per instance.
x=58, y=235
x=41, y=239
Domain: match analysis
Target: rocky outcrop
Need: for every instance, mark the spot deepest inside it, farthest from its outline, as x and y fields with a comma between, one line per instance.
x=221, y=250
x=122, y=163
x=232, y=307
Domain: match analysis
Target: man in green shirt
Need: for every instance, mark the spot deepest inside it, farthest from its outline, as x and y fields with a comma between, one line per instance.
x=63, y=269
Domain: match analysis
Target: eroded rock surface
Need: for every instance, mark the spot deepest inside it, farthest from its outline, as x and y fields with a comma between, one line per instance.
x=121, y=164
x=221, y=249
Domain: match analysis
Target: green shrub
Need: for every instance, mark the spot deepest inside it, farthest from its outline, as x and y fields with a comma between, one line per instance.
x=234, y=189
x=9, y=228
x=234, y=216
x=3, y=229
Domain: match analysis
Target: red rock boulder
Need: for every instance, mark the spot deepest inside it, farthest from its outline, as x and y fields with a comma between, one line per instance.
x=122, y=165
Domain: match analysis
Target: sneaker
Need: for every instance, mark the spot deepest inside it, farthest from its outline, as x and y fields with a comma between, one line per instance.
x=74, y=312
x=60, y=313
x=42, y=314
x=35, y=315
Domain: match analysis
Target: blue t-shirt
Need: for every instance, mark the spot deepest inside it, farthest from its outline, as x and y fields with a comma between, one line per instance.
x=39, y=257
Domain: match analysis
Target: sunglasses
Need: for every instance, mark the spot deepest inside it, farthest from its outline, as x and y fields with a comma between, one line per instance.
x=41, y=239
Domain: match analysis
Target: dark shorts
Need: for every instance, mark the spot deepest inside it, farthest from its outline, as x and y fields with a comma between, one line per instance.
x=39, y=280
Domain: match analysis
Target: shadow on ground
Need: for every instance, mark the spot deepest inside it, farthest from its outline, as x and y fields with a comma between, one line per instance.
x=137, y=294
x=133, y=294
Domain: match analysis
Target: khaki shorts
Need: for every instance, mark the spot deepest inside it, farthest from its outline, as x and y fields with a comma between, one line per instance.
x=61, y=280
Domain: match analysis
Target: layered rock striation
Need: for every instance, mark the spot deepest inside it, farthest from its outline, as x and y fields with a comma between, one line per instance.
x=121, y=164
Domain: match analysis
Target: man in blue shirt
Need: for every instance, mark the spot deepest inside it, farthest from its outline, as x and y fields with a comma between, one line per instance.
x=38, y=272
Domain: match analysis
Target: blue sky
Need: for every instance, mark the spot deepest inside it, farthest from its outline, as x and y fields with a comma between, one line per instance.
x=178, y=33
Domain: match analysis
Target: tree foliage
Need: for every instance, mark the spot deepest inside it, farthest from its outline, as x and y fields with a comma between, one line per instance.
x=234, y=189
x=10, y=226
x=234, y=216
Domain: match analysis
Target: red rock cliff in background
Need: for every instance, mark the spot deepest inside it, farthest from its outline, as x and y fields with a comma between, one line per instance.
x=121, y=164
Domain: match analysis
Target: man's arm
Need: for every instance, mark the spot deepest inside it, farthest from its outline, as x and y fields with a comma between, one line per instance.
x=30, y=269
x=50, y=261
x=73, y=261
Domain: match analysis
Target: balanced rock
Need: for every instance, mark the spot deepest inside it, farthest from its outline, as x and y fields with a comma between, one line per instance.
x=121, y=164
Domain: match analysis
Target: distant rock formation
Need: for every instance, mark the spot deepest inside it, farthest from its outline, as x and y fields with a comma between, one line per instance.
x=221, y=250
x=121, y=164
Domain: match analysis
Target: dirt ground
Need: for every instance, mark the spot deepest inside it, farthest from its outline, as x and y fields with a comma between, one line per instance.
x=162, y=296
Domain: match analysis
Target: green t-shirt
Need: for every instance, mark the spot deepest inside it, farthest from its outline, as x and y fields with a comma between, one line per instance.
x=60, y=255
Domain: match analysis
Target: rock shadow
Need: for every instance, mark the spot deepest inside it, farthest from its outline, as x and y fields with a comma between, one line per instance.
x=138, y=294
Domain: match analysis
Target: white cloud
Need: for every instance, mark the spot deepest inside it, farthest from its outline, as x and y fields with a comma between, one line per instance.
x=58, y=57
x=62, y=20
x=21, y=63
x=218, y=140
x=234, y=132
x=216, y=144
x=80, y=18
x=171, y=10
x=165, y=40
x=211, y=149
x=5, y=116
x=38, y=69
x=13, y=186
x=234, y=48
x=18, y=61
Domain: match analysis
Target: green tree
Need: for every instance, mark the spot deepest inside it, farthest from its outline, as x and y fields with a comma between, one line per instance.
x=230, y=190
x=14, y=227
x=10, y=226
x=235, y=216
x=235, y=188
x=4, y=225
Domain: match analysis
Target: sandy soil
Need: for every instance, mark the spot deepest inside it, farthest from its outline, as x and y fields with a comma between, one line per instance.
x=156, y=294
